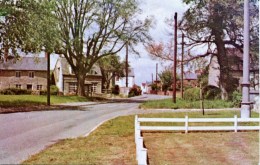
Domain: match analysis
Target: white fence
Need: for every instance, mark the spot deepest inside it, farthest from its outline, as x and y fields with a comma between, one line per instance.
x=141, y=152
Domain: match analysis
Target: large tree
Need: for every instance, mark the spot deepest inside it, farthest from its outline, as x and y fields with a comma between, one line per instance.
x=211, y=26
x=92, y=29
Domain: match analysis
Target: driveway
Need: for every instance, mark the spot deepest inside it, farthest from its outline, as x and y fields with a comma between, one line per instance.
x=24, y=134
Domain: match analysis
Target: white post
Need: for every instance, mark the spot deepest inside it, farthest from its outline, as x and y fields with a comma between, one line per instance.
x=186, y=124
x=143, y=157
x=235, y=123
x=139, y=147
x=245, y=105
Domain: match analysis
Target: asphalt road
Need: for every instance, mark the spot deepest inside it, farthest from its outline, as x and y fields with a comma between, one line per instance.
x=24, y=134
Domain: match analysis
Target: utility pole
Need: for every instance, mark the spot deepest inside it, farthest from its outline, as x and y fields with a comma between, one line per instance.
x=152, y=78
x=175, y=59
x=126, y=65
x=156, y=78
x=182, y=53
x=245, y=105
x=48, y=79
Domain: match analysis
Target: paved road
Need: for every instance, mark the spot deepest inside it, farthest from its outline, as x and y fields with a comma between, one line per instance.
x=23, y=134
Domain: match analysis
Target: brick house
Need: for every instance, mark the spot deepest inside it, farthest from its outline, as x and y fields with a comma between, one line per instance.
x=66, y=81
x=24, y=73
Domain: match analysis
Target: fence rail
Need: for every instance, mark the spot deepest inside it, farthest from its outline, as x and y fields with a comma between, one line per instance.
x=141, y=152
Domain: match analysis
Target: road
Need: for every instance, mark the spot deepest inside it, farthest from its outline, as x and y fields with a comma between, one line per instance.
x=24, y=134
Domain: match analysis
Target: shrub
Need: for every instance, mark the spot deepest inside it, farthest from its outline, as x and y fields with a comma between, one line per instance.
x=116, y=90
x=236, y=98
x=212, y=93
x=15, y=91
x=135, y=91
x=192, y=94
x=54, y=90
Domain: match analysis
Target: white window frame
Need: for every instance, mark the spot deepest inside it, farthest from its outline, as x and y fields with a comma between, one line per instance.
x=18, y=74
x=39, y=87
x=18, y=86
x=31, y=74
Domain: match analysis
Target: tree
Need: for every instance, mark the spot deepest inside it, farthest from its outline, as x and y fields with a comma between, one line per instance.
x=166, y=77
x=110, y=67
x=91, y=29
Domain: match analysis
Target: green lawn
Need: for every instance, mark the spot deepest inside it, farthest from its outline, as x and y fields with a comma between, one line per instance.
x=32, y=100
x=113, y=143
x=168, y=104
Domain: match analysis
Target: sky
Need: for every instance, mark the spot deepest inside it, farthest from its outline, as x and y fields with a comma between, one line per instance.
x=144, y=66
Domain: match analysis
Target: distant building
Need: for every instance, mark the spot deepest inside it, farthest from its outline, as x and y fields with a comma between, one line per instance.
x=24, y=73
x=190, y=79
x=66, y=80
x=121, y=81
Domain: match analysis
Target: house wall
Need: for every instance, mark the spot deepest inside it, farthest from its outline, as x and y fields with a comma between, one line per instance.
x=122, y=82
x=8, y=79
x=58, y=76
x=69, y=79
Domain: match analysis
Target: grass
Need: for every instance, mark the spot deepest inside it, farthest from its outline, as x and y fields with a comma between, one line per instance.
x=113, y=143
x=180, y=103
x=29, y=100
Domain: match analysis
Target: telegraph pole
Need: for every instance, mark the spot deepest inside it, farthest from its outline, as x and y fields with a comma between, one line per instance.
x=156, y=78
x=182, y=54
x=245, y=105
x=126, y=65
x=48, y=79
x=175, y=59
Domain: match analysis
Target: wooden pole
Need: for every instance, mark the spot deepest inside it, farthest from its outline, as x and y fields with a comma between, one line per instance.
x=182, y=54
x=126, y=65
x=175, y=59
x=48, y=79
x=201, y=99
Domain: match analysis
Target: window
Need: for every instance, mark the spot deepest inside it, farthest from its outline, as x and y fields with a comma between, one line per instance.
x=29, y=86
x=94, y=88
x=72, y=87
x=18, y=86
x=31, y=74
x=39, y=87
x=17, y=74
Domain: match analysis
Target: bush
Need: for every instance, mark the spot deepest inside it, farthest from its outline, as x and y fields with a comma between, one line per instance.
x=236, y=98
x=15, y=91
x=191, y=94
x=135, y=91
x=212, y=93
x=54, y=90
x=116, y=90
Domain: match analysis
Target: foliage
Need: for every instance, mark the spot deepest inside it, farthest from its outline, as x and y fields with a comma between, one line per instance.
x=54, y=90
x=217, y=25
x=15, y=91
x=191, y=94
x=154, y=86
x=110, y=67
x=236, y=98
x=116, y=90
x=135, y=91
x=166, y=77
x=211, y=93
x=101, y=29
x=185, y=104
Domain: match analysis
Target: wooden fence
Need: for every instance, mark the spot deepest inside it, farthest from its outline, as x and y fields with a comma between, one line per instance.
x=141, y=152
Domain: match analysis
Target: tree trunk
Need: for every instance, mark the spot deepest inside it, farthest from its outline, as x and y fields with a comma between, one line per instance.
x=81, y=84
x=223, y=64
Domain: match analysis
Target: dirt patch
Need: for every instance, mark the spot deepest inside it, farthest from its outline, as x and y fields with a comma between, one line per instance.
x=203, y=148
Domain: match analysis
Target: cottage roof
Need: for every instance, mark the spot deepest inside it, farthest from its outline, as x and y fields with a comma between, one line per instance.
x=66, y=70
x=190, y=76
x=25, y=63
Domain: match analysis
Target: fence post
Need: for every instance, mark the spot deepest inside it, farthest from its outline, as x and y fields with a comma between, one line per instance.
x=139, y=147
x=235, y=123
x=137, y=129
x=143, y=157
x=186, y=124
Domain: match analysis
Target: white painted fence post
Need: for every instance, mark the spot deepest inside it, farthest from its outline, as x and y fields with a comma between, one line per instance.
x=235, y=123
x=143, y=157
x=139, y=147
x=186, y=124
x=137, y=128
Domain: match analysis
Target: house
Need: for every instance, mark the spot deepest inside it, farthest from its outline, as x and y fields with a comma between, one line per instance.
x=121, y=81
x=66, y=80
x=190, y=79
x=236, y=65
x=24, y=73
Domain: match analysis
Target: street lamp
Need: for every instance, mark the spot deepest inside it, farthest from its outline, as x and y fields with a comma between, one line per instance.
x=245, y=105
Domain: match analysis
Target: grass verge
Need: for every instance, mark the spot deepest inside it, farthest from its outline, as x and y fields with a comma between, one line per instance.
x=180, y=103
x=113, y=143
x=24, y=103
